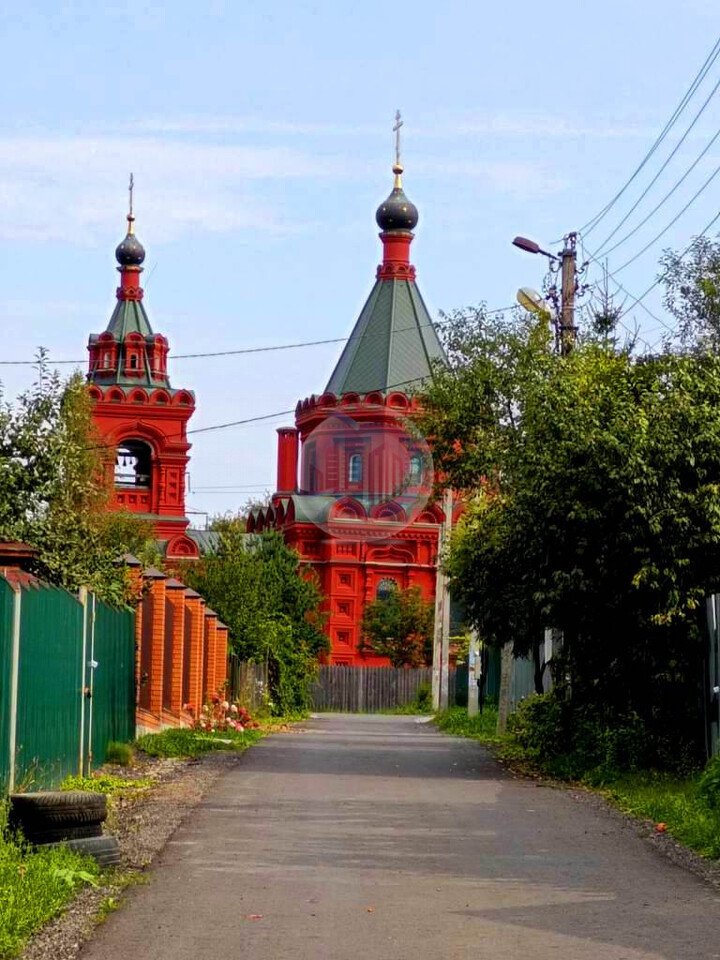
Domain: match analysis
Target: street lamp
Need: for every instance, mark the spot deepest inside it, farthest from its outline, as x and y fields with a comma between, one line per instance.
x=568, y=269
x=529, y=246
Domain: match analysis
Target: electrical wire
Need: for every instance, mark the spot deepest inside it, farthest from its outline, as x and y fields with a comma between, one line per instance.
x=661, y=203
x=269, y=349
x=699, y=77
x=662, y=276
x=657, y=176
x=674, y=220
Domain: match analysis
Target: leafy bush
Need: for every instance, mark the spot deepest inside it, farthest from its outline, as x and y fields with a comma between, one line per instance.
x=481, y=727
x=423, y=698
x=709, y=784
x=35, y=885
x=119, y=753
x=190, y=743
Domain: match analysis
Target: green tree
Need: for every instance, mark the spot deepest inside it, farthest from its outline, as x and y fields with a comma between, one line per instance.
x=692, y=292
x=54, y=491
x=271, y=605
x=400, y=627
x=593, y=505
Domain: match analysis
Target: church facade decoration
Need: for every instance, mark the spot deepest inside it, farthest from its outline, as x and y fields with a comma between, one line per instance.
x=354, y=481
x=137, y=412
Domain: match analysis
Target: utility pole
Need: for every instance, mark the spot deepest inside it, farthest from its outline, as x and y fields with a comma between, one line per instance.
x=562, y=311
x=474, y=674
x=567, y=294
x=441, y=637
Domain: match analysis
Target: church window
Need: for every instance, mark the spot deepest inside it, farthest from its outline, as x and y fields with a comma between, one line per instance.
x=355, y=469
x=415, y=474
x=133, y=464
x=385, y=588
x=106, y=360
x=312, y=471
x=133, y=362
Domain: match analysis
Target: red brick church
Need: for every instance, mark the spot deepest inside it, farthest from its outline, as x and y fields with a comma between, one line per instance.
x=138, y=412
x=353, y=478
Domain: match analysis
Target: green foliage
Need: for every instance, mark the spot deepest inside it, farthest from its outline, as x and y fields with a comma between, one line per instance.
x=481, y=727
x=423, y=698
x=106, y=784
x=692, y=292
x=35, y=886
x=675, y=802
x=399, y=627
x=271, y=605
x=119, y=753
x=593, y=505
x=709, y=784
x=191, y=743
x=54, y=490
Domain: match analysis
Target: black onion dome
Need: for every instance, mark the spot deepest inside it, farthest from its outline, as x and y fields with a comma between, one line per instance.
x=130, y=253
x=397, y=212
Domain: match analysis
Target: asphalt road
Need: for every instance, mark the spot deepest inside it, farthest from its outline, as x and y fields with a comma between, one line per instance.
x=377, y=838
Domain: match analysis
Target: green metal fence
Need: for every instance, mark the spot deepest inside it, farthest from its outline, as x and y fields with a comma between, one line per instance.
x=66, y=683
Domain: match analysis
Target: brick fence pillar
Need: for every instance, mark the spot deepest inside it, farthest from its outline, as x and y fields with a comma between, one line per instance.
x=221, y=658
x=196, y=609
x=157, y=672
x=175, y=593
x=210, y=652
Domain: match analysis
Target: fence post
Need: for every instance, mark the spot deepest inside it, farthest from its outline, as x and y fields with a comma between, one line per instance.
x=82, y=598
x=14, y=681
x=92, y=664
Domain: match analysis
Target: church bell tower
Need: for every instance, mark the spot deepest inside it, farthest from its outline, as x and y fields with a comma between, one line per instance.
x=138, y=414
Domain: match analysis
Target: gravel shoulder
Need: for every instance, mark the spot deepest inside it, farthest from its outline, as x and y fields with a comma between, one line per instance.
x=143, y=822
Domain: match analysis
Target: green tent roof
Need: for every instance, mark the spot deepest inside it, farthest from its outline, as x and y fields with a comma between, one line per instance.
x=129, y=317
x=393, y=344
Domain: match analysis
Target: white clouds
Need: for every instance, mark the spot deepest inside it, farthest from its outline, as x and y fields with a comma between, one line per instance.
x=60, y=187
x=50, y=182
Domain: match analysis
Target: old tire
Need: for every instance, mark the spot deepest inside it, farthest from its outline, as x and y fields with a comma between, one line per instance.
x=44, y=834
x=105, y=849
x=58, y=814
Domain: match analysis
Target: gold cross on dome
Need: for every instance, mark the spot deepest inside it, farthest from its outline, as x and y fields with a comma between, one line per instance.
x=131, y=187
x=398, y=124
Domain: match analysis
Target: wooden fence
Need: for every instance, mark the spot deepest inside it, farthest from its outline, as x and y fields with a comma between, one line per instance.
x=370, y=689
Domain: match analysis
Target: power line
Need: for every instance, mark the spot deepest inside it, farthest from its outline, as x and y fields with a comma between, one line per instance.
x=269, y=349
x=674, y=220
x=663, y=167
x=700, y=76
x=664, y=199
x=663, y=275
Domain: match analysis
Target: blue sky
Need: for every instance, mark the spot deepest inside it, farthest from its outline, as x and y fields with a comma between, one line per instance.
x=260, y=139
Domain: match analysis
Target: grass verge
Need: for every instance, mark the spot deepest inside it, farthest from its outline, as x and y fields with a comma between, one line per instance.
x=183, y=742
x=482, y=727
x=674, y=804
x=36, y=884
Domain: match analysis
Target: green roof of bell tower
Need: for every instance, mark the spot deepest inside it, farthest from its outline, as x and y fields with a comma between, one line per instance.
x=129, y=316
x=393, y=345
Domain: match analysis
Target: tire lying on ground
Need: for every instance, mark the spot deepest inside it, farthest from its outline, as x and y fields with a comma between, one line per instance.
x=60, y=815
x=105, y=850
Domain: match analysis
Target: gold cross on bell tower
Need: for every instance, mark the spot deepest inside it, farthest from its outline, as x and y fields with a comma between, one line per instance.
x=397, y=166
x=130, y=217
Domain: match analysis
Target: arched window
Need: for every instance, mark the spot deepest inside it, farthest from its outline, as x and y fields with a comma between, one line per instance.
x=133, y=464
x=133, y=362
x=415, y=473
x=385, y=588
x=355, y=469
